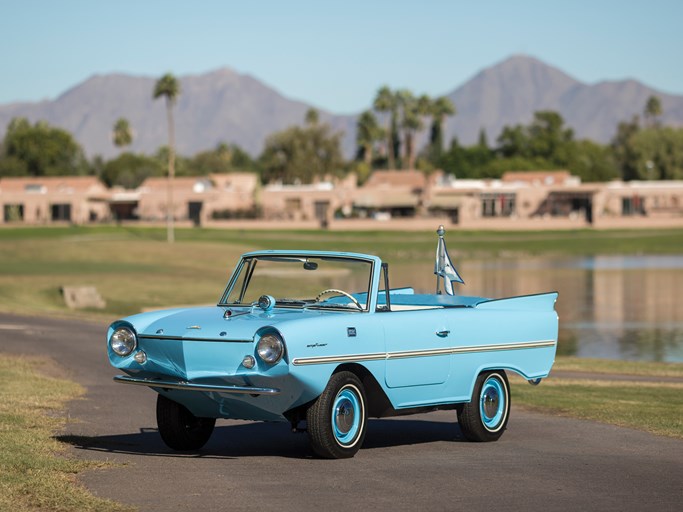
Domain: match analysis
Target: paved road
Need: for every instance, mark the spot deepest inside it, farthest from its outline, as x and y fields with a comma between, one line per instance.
x=417, y=462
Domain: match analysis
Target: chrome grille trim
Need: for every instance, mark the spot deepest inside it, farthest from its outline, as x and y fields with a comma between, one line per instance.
x=181, y=338
x=189, y=386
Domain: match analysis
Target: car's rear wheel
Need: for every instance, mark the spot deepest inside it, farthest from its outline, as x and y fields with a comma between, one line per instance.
x=337, y=419
x=485, y=417
x=179, y=428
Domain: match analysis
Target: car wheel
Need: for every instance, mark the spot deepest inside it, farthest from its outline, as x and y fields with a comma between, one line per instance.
x=485, y=417
x=179, y=428
x=337, y=419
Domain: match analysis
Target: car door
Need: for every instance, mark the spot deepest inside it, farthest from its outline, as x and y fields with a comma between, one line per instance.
x=417, y=343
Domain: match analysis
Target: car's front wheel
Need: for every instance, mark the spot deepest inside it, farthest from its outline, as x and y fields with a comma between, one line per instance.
x=485, y=417
x=179, y=428
x=337, y=419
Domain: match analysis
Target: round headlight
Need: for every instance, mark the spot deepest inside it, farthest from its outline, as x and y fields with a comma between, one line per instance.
x=123, y=341
x=270, y=348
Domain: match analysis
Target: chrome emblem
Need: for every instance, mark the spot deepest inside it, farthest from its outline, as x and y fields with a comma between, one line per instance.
x=194, y=327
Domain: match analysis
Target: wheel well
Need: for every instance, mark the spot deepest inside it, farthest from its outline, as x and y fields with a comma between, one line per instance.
x=377, y=402
x=378, y=405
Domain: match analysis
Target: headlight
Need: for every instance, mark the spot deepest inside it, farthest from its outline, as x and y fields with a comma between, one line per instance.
x=270, y=348
x=123, y=341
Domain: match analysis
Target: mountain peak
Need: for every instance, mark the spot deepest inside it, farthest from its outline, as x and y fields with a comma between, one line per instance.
x=223, y=105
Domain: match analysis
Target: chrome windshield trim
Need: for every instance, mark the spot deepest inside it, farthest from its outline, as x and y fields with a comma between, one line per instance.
x=189, y=386
x=180, y=338
x=303, y=361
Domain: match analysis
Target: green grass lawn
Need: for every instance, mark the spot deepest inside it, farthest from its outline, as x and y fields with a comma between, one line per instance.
x=35, y=473
x=134, y=268
x=607, y=366
x=649, y=406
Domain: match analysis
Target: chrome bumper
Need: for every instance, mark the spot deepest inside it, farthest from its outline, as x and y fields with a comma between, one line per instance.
x=189, y=386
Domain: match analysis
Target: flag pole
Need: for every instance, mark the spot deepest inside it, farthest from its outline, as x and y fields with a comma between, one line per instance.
x=439, y=256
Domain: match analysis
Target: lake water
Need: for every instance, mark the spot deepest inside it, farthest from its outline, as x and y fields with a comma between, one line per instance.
x=615, y=307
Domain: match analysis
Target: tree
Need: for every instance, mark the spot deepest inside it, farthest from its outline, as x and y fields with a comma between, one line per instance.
x=129, y=170
x=483, y=139
x=549, y=139
x=386, y=101
x=441, y=108
x=467, y=162
x=545, y=138
x=592, y=161
x=168, y=87
x=40, y=150
x=223, y=159
x=412, y=112
x=302, y=154
x=368, y=133
x=652, y=111
x=312, y=116
x=623, y=148
x=658, y=153
x=122, y=133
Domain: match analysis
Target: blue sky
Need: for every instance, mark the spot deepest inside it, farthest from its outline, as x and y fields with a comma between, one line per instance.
x=334, y=55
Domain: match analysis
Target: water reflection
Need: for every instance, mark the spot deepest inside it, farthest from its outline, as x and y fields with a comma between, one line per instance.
x=617, y=307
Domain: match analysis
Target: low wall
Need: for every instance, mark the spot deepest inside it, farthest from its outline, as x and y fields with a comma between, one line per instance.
x=410, y=224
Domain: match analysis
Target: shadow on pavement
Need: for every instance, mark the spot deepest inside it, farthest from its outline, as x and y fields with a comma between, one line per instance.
x=266, y=439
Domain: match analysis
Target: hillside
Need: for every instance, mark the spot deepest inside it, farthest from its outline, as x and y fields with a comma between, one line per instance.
x=226, y=106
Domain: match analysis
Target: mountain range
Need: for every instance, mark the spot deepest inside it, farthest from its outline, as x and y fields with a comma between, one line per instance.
x=226, y=106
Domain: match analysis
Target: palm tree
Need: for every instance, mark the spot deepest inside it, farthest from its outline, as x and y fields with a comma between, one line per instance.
x=386, y=101
x=123, y=135
x=168, y=87
x=653, y=109
x=440, y=108
x=411, y=122
x=368, y=132
x=312, y=117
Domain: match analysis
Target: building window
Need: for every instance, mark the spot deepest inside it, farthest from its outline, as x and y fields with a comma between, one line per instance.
x=13, y=212
x=292, y=204
x=321, y=209
x=194, y=212
x=61, y=212
x=632, y=206
x=497, y=205
x=35, y=188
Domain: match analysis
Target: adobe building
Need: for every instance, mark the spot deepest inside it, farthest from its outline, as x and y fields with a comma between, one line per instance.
x=519, y=200
x=197, y=199
x=319, y=201
x=392, y=193
x=555, y=199
x=41, y=200
x=654, y=199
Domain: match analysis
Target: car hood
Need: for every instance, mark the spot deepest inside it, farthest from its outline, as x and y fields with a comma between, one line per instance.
x=211, y=323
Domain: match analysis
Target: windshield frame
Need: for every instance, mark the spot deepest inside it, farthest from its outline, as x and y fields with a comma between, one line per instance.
x=246, y=259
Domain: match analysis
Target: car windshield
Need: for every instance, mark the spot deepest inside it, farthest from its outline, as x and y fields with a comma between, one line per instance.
x=302, y=281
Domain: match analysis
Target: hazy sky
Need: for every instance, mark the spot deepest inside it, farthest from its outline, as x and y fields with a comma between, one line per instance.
x=334, y=55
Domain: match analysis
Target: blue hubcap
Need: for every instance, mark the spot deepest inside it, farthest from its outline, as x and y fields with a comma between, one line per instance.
x=347, y=414
x=492, y=403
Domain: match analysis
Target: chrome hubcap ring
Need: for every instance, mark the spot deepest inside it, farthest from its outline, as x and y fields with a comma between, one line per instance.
x=344, y=415
x=491, y=400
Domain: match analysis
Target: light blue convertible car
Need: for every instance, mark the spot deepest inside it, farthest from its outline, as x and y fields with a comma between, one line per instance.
x=320, y=340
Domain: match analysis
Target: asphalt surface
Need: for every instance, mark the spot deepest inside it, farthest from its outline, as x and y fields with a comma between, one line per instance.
x=542, y=462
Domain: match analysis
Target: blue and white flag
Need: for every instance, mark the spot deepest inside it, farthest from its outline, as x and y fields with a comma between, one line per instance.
x=443, y=266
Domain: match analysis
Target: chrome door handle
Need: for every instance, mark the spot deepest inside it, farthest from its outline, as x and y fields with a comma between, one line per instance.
x=442, y=334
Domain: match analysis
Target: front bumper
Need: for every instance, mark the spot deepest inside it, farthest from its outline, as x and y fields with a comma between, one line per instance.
x=189, y=386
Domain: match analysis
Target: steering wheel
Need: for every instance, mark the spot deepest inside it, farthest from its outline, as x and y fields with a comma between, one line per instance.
x=341, y=292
